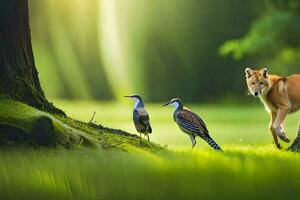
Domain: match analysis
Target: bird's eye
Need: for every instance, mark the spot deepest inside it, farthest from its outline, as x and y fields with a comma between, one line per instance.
x=253, y=83
x=261, y=83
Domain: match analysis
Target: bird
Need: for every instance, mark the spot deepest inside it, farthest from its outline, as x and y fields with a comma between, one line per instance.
x=191, y=123
x=141, y=118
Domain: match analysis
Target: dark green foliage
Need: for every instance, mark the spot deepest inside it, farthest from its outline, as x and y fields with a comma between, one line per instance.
x=274, y=38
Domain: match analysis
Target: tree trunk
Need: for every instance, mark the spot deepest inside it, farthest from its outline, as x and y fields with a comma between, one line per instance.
x=18, y=74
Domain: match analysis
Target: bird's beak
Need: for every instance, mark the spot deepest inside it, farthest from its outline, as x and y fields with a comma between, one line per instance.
x=166, y=104
x=128, y=96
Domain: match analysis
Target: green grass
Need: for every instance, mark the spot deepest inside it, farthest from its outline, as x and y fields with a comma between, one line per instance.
x=238, y=173
x=228, y=124
x=249, y=168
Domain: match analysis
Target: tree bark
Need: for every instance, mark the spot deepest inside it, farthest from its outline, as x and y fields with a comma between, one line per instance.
x=18, y=74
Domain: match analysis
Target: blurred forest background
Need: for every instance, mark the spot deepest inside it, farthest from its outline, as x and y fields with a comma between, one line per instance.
x=196, y=49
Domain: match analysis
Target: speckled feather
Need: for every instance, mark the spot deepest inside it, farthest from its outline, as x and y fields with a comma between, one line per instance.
x=192, y=124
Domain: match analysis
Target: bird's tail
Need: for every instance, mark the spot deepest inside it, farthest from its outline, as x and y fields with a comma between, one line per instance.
x=212, y=143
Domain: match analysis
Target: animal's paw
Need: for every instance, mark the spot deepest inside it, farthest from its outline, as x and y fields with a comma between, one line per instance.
x=282, y=135
x=278, y=145
x=284, y=138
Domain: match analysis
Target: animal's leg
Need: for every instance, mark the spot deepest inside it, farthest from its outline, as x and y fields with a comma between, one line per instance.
x=272, y=129
x=281, y=115
x=282, y=129
x=148, y=137
x=193, y=140
x=296, y=144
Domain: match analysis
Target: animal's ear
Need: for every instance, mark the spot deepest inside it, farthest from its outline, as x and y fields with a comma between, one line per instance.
x=248, y=72
x=264, y=72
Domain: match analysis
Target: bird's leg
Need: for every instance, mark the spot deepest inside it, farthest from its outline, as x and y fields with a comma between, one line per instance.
x=193, y=140
x=194, y=144
x=148, y=137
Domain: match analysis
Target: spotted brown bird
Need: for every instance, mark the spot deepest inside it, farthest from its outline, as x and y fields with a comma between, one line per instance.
x=140, y=116
x=191, y=124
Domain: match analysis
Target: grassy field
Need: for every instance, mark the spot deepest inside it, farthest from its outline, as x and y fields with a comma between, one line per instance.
x=228, y=124
x=249, y=168
x=238, y=173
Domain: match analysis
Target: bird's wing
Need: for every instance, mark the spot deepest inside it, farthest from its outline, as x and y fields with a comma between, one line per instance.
x=143, y=117
x=192, y=122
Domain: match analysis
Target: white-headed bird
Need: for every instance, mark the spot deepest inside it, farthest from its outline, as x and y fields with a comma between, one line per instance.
x=191, y=124
x=140, y=116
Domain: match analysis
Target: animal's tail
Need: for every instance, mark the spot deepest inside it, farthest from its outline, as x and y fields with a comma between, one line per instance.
x=212, y=143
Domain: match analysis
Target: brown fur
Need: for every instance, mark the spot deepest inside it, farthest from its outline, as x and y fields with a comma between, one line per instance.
x=280, y=95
